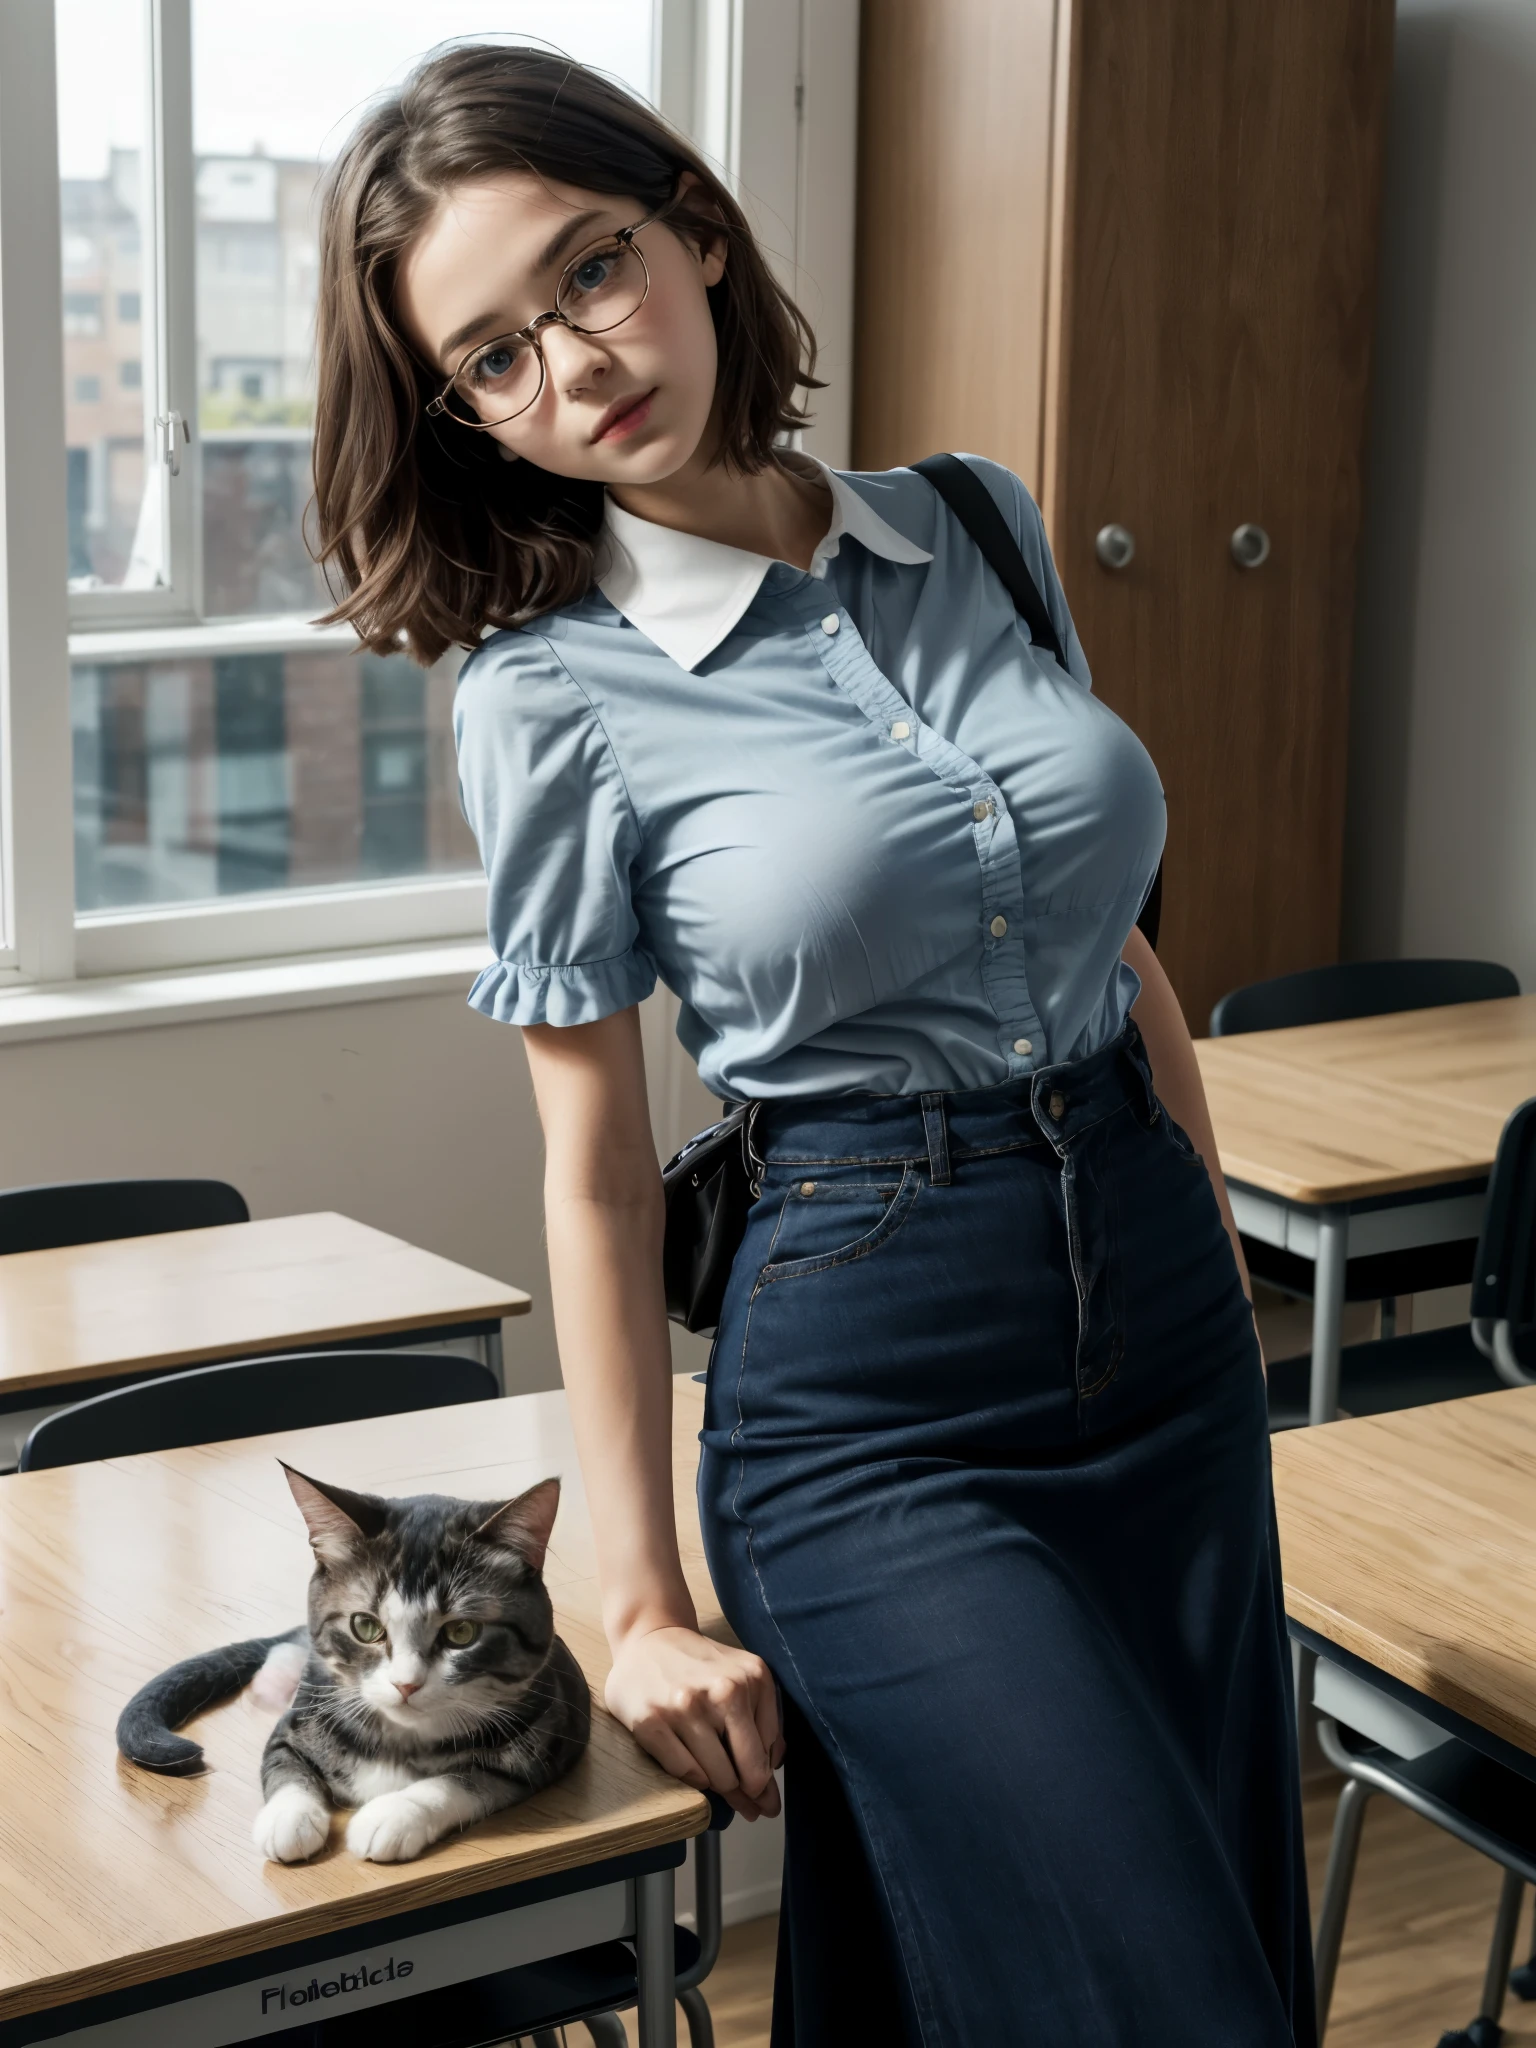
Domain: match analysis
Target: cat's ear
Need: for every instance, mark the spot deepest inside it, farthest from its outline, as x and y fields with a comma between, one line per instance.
x=524, y=1524
x=338, y=1521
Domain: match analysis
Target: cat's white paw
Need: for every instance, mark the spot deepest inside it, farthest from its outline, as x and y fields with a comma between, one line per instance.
x=294, y=1825
x=392, y=1828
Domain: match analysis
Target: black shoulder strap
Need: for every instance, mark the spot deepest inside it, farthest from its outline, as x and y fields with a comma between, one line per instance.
x=976, y=509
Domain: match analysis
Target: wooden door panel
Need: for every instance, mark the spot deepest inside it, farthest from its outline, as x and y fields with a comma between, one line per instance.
x=1213, y=292
x=955, y=104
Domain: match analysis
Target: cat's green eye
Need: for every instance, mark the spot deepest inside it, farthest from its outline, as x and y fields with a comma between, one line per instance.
x=368, y=1628
x=460, y=1634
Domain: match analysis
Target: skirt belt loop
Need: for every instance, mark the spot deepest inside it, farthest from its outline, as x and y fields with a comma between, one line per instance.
x=936, y=1130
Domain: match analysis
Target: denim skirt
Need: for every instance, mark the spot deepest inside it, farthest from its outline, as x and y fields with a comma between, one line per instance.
x=985, y=1482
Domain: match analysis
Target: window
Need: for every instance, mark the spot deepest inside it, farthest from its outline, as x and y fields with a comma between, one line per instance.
x=224, y=753
x=82, y=315
x=300, y=766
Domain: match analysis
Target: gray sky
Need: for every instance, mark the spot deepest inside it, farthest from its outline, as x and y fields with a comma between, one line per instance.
x=290, y=75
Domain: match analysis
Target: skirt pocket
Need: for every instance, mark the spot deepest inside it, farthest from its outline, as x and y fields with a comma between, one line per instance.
x=830, y=1222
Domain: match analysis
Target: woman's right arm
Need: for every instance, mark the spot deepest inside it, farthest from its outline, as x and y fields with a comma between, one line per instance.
x=707, y=1712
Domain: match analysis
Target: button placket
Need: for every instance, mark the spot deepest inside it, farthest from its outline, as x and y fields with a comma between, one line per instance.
x=853, y=669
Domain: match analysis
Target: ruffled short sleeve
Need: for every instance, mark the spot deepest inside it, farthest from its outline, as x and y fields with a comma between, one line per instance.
x=546, y=800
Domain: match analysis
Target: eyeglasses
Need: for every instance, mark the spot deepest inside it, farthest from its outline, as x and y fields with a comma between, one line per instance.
x=599, y=290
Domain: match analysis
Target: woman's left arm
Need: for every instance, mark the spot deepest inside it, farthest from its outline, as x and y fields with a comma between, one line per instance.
x=1177, y=1074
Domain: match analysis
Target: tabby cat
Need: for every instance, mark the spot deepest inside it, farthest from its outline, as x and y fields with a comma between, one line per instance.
x=432, y=1689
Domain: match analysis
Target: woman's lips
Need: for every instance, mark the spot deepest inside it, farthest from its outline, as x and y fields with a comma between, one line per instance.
x=633, y=416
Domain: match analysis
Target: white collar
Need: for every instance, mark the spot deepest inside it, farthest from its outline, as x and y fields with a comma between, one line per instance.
x=686, y=593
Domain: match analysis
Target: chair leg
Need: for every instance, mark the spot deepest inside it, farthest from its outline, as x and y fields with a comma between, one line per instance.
x=607, y=2030
x=1388, y=1316
x=1523, y=1981
x=1502, y=1948
x=1485, y=2031
x=701, y=2028
x=1348, y=1821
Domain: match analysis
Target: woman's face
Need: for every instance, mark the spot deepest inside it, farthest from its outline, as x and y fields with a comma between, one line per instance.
x=630, y=406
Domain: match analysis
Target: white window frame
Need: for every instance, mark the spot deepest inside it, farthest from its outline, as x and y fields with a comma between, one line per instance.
x=787, y=136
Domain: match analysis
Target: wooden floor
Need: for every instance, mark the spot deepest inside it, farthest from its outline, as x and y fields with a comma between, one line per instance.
x=1414, y=1947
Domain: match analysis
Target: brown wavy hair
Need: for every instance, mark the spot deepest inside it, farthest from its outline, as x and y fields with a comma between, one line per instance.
x=426, y=537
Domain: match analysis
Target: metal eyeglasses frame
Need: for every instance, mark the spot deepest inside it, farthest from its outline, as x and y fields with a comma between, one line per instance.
x=625, y=237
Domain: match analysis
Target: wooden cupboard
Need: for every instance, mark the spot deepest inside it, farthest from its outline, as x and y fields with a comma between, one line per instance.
x=1128, y=248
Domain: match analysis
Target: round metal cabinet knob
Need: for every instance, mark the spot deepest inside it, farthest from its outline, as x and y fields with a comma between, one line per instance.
x=1115, y=546
x=1250, y=546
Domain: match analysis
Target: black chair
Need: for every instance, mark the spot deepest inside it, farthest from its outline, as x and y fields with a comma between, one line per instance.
x=253, y=1397
x=1504, y=1284
x=1329, y=995
x=1396, y=1372
x=1359, y=988
x=40, y=1219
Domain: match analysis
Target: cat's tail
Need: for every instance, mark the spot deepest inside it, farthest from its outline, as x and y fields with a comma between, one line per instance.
x=145, y=1727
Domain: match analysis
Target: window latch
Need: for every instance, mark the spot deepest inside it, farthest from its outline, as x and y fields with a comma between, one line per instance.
x=174, y=431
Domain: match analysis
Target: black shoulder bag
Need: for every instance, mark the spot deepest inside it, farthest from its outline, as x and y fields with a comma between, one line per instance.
x=715, y=1179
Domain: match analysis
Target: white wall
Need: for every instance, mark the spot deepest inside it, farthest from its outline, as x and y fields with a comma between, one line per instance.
x=1441, y=853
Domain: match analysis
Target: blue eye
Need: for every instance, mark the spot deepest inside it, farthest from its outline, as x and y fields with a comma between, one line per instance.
x=594, y=272
x=496, y=364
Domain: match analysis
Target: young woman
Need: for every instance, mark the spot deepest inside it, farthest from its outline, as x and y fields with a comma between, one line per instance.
x=985, y=1479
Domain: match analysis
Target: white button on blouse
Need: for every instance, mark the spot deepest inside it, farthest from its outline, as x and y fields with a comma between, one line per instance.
x=688, y=773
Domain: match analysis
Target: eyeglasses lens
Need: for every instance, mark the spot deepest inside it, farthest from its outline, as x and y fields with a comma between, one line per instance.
x=601, y=288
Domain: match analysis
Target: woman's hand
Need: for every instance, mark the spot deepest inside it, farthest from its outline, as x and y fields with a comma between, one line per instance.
x=708, y=1714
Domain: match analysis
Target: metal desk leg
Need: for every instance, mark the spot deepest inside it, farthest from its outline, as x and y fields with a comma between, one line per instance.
x=655, y=1960
x=1303, y=1674
x=1328, y=1313
x=491, y=1348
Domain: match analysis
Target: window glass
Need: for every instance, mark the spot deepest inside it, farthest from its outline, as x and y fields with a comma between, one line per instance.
x=243, y=773
x=269, y=113
x=115, y=500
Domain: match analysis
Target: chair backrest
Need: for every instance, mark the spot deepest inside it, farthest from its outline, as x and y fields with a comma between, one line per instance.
x=91, y=1211
x=1359, y=988
x=1504, y=1280
x=214, y=1403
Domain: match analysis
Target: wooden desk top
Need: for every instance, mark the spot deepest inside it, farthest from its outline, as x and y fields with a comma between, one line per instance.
x=111, y=1876
x=1373, y=1106
x=89, y=1310
x=1410, y=1539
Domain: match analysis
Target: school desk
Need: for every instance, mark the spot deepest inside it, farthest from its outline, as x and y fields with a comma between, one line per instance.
x=125, y=1895
x=1373, y=1135
x=1408, y=1545
x=87, y=1316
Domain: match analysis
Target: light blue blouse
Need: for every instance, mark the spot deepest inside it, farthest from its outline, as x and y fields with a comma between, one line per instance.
x=873, y=840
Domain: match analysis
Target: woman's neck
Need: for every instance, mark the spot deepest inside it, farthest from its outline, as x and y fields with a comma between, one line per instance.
x=778, y=512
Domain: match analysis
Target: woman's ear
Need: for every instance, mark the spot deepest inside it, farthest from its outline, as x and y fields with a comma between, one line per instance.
x=697, y=228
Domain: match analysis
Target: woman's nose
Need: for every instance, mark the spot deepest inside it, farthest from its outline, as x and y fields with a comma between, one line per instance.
x=573, y=359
